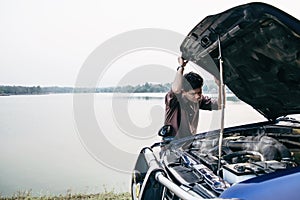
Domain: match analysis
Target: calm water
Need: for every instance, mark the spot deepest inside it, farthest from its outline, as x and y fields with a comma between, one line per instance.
x=41, y=147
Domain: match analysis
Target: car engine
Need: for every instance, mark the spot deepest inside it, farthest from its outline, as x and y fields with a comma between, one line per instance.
x=246, y=153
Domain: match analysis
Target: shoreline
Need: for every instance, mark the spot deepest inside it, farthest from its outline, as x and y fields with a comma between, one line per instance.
x=111, y=195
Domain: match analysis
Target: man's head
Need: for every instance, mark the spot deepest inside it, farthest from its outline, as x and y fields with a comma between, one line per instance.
x=192, y=87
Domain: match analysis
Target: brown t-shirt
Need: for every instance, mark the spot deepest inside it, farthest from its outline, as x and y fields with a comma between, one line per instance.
x=183, y=115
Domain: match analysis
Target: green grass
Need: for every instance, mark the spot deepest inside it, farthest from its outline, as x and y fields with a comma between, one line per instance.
x=111, y=195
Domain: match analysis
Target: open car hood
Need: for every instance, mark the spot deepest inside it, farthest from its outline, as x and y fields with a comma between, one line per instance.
x=260, y=47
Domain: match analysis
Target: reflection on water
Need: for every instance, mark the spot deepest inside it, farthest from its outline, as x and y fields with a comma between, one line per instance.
x=142, y=96
x=149, y=96
x=40, y=148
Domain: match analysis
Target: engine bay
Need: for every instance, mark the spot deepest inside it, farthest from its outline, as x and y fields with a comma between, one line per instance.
x=246, y=153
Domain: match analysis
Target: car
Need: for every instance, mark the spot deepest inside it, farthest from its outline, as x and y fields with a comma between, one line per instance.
x=253, y=49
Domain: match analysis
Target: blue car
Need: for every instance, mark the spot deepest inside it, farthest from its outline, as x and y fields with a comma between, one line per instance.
x=253, y=49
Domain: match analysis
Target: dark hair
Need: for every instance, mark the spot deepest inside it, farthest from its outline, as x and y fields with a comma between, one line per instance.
x=192, y=81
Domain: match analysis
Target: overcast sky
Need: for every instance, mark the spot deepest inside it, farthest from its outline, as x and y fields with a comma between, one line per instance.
x=46, y=42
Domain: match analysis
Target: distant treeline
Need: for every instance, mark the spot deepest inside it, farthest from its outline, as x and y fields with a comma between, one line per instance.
x=19, y=90
x=209, y=87
x=145, y=88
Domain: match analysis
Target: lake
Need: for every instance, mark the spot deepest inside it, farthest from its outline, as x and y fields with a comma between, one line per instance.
x=54, y=143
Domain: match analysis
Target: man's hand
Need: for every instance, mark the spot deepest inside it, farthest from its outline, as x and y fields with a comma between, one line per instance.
x=177, y=83
x=182, y=62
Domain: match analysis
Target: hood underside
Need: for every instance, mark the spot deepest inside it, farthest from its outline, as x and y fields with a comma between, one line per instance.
x=260, y=47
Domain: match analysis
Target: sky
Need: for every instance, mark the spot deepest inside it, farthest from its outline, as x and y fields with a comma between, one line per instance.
x=46, y=42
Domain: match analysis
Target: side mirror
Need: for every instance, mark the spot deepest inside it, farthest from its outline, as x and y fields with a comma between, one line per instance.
x=166, y=131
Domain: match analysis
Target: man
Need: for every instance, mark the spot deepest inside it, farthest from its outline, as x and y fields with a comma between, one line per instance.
x=184, y=101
